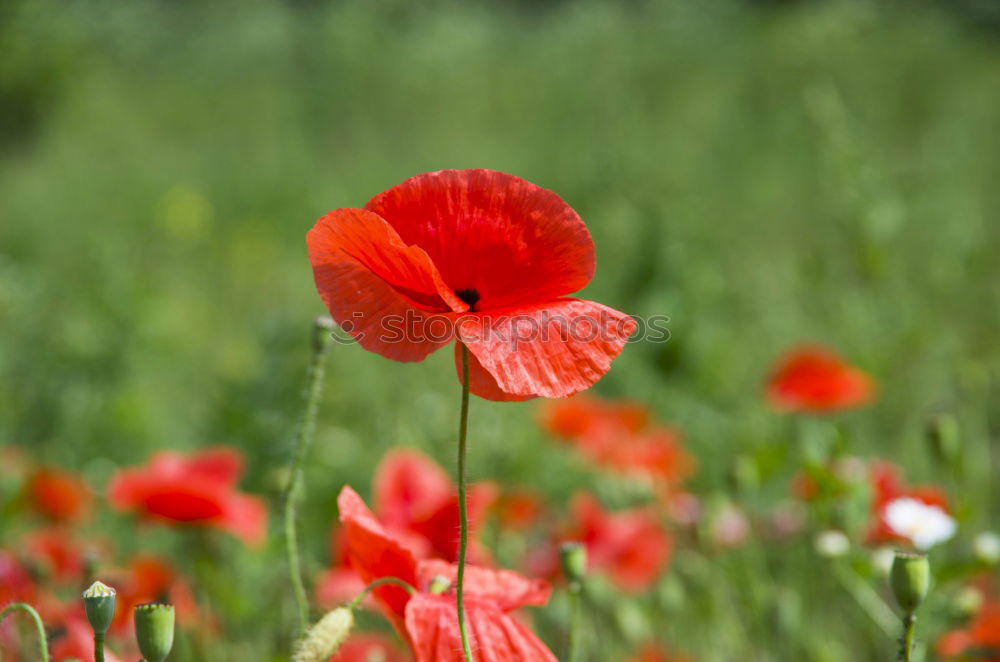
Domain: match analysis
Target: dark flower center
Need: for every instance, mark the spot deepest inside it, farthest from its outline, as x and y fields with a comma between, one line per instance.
x=470, y=297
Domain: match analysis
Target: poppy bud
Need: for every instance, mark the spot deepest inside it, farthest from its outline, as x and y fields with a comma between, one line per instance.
x=910, y=578
x=99, y=603
x=439, y=585
x=943, y=437
x=325, y=638
x=573, y=556
x=154, y=630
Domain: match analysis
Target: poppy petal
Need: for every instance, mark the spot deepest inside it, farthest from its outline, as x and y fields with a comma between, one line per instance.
x=375, y=554
x=482, y=383
x=432, y=623
x=501, y=237
x=223, y=466
x=408, y=486
x=508, y=589
x=440, y=527
x=245, y=517
x=388, y=296
x=553, y=350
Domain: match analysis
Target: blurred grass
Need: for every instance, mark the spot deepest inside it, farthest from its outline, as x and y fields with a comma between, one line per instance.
x=821, y=171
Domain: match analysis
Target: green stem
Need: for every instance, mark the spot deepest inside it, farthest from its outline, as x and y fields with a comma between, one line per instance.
x=314, y=386
x=575, y=618
x=867, y=598
x=98, y=647
x=43, y=644
x=909, y=632
x=463, y=511
x=375, y=584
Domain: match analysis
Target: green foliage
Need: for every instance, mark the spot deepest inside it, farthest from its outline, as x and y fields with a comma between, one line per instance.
x=826, y=171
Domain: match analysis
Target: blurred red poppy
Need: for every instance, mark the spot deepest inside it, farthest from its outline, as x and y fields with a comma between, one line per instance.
x=815, y=379
x=429, y=621
x=519, y=509
x=58, y=552
x=415, y=499
x=979, y=641
x=478, y=256
x=656, y=653
x=619, y=436
x=196, y=490
x=631, y=546
x=367, y=647
x=76, y=643
x=58, y=495
x=150, y=579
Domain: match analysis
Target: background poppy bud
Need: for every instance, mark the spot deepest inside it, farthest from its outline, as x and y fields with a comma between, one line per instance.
x=99, y=603
x=573, y=556
x=944, y=438
x=910, y=578
x=325, y=638
x=154, y=630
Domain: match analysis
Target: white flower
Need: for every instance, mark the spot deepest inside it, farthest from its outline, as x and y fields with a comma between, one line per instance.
x=987, y=547
x=832, y=543
x=925, y=525
x=882, y=559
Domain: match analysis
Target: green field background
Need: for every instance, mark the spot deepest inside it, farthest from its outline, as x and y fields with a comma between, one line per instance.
x=763, y=174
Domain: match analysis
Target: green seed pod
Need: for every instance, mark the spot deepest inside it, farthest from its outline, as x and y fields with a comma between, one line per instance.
x=154, y=630
x=910, y=579
x=99, y=603
x=573, y=556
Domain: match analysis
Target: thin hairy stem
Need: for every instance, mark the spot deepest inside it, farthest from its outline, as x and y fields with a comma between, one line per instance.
x=375, y=584
x=314, y=386
x=43, y=644
x=463, y=511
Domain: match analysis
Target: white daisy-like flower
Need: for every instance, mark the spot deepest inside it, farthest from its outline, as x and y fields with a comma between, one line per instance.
x=832, y=543
x=924, y=524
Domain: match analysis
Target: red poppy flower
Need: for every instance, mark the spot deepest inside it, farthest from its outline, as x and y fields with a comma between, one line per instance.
x=415, y=498
x=631, y=546
x=428, y=621
x=150, y=579
x=815, y=379
x=888, y=487
x=16, y=581
x=980, y=640
x=366, y=647
x=76, y=644
x=618, y=436
x=58, y=552
x=192, y=491
x=656, y=653
x=58, y=495
x=478, y=256
x=519, y=509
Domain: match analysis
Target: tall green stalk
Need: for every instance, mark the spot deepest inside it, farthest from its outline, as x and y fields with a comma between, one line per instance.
x=463, y=510
x=43, y=644
x=293, y=490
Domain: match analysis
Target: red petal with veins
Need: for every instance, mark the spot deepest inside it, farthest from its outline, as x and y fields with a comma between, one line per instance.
x=387, y=295
x=553, y=350
x=512, y=242
x=431, y=622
